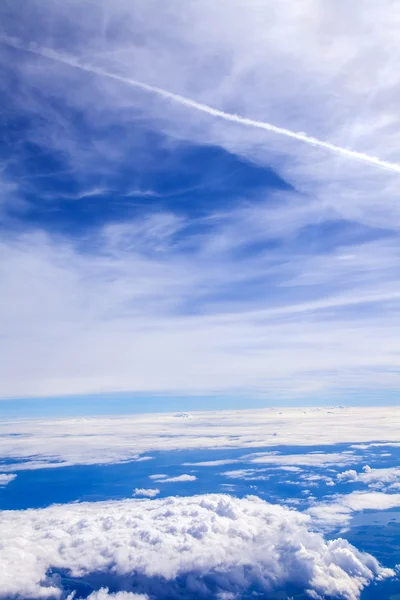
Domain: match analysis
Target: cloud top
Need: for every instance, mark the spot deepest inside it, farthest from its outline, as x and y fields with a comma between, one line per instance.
x=210, y=543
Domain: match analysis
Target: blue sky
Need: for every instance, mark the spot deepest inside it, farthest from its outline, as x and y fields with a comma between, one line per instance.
x=199, y=205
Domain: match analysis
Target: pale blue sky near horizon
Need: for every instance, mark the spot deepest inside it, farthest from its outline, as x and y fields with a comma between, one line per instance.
x=121, y=404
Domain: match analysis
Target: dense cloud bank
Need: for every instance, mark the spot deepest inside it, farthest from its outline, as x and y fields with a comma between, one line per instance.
x=100, y=440
x=204, y=545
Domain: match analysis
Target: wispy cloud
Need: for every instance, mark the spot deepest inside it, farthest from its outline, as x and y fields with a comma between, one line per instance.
x=6, y=478
x=340, y=510
x=270, y=289
x=214, y=112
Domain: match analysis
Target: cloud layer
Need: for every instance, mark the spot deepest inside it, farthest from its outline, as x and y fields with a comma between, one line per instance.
x=179, y=546
x=339, y=510
x=63, y=442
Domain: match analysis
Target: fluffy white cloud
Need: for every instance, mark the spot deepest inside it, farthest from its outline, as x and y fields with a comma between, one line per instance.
x=59, y=442
x=371, y=477
x=209, y=542
x=6, y=478
x=147, y=492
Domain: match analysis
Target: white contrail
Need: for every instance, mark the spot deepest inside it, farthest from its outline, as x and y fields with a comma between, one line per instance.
x=204, y=108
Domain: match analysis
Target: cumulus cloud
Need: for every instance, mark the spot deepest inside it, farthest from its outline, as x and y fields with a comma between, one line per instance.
x=6, y=478
x=147, y=492
x=63, y=442
x=179, y=547
x=371, y=477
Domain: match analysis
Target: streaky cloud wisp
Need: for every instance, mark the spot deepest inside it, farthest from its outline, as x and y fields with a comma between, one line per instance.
x=204, y=108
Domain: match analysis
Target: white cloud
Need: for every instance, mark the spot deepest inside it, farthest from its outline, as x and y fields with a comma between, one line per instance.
x=371, y=501
x=184, y=477
x=290, y=469
x=314, y=480
x=187, y=102
x=312, y=459
x=371, y=477
x=61, y=442
x=162, y=478
x=6, y=478
x=104, y=594
x=211, y=463
x=230, y=544
x=338, y=511
x=228, y=487
x=391, y=444
x=246, y=474
x=147, y=492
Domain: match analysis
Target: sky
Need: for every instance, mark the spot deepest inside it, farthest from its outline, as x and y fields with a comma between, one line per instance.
x=199, y=204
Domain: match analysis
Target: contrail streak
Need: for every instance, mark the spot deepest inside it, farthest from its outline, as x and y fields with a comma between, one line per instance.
x=204, y=108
